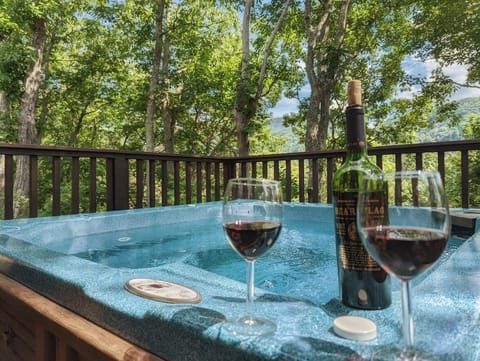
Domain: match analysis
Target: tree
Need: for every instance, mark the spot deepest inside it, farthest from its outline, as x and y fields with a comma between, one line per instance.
x=196, y=94
x=96, y=91
x=450, y=33
x=35, y=23
x=363, y=40
x=325, y=27
x=122, y=74
x=159, y=50
x=250, y=88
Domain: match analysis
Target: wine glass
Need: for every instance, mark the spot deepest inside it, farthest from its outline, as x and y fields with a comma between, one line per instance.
x=252, y=220
x=406, y=237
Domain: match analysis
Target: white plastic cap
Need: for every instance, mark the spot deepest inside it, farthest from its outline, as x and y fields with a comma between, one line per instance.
x=355, y=328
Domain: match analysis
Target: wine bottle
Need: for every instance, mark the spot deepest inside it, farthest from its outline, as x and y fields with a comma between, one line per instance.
x=362, y=282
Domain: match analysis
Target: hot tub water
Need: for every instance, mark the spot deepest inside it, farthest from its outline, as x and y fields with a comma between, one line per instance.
x=303, y=256
x=302, y=260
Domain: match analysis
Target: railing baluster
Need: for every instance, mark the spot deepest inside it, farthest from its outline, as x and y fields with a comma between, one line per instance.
x=465, y=176
x=152, y=186
x=329, y=179
x=199, y=182
x=265, y=169
x=301, y=180
x=110, y=184
x=379, y=161
x=165, y=166
x=288, y=185
x=108, y=174
x=441, y=165
x=75, y=203
x=8, y=186
x=176, y=182
x=398, y=162
x=217, y=180
x=315, y=178
x=140, y=182
x=276, y=169
x=208, y=181
x=254, y=169
x=120, y=184
x=418, y=161
x=56, y=165
x=243, y=169
x=398, y=192
x=92, y=188
x=33, y=186
x=188, y=182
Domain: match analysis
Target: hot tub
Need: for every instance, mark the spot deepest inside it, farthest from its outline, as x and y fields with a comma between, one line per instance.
x=83, y=262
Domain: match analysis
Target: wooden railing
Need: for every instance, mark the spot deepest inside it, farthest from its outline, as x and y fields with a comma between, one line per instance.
x=68, y=181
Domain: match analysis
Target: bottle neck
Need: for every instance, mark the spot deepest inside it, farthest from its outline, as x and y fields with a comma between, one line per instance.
x=355, y=131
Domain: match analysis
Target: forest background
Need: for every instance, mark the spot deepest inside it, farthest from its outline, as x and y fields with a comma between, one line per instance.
x=202, y=77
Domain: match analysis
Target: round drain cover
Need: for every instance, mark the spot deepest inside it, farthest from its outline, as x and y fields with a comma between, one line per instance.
x=162, y=291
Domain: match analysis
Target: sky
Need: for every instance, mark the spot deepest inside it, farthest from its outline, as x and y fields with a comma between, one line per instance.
x=456, y=72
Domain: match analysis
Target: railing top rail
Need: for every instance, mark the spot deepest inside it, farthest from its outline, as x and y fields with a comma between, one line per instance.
x=427, y=147
x=26, y=149
x=386, y=149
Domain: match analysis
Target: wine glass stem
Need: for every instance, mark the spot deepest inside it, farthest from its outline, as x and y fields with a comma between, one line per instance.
x=250, y=288
x=407, y=314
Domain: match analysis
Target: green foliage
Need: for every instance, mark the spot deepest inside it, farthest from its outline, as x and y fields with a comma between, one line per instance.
x=450, y=32
x=98, y=66
x=204, y=60
x=101, y=60
x=13, y=51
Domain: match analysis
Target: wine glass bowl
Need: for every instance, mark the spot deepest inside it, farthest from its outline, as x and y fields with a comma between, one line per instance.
x=252, y=220
x=405, y=228
x=251, y=239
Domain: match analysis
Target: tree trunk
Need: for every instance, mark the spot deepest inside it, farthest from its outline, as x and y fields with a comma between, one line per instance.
x=322, y=73
x=44, y=110
x=243, y=112
x=168, y=118
x=157, y=58
x=4, y=105
x=322, y=68
x=242, y=99
x=246, y=102
x=312, y=140
x=27, y=133
x=77, y=128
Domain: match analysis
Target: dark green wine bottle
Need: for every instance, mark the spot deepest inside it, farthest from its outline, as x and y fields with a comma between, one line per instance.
x=362, y=282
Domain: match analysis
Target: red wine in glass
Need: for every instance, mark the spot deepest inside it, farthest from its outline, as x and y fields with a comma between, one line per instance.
x=405, y=251
x=251, y=239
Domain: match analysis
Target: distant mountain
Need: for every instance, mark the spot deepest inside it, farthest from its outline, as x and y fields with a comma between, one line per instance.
x=445, y=132
x=469, y=106
x=442, y=132
x=292, y=142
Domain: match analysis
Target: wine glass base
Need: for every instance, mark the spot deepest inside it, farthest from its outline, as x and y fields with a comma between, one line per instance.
x=405, y=354
x=249, y=326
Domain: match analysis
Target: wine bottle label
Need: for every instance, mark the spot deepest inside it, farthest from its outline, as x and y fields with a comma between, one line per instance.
x=353, y=256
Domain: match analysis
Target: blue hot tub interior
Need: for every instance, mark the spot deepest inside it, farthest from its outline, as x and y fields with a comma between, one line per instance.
x=91, y=257
x=305, y=250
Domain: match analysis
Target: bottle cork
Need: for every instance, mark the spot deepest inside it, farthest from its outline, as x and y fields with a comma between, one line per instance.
x=354, y=92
